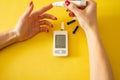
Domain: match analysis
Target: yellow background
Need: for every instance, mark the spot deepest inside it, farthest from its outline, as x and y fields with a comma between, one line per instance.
x=33, y=59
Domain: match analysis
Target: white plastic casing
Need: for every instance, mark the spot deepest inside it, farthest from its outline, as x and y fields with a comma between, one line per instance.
x=77, y=3
x=60, y=51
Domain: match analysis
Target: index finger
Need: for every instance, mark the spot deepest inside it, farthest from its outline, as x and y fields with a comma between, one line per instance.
x=44, y=9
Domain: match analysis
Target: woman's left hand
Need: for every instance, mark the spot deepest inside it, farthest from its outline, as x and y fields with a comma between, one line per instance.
x=30, y=23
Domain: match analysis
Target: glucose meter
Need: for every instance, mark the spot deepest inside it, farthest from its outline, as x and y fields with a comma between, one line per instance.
x=60, y=43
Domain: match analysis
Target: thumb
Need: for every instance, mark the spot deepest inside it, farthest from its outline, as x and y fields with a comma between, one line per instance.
x=72, y=7
x=29, y=10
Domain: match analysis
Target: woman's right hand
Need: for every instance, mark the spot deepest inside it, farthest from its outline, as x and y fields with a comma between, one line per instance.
x=87, y=17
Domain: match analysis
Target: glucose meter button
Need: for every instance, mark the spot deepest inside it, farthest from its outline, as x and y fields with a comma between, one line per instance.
x=60, y=51
x=63, y=51
x=57, y=51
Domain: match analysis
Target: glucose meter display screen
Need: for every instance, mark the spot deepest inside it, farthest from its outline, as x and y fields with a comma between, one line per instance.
x=60, y=41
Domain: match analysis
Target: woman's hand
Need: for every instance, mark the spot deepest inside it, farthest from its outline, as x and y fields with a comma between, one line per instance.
x=100, y=68
x=30, y=23
x=87, y=17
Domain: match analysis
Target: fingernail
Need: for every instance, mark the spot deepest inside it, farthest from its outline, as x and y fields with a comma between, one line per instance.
x=67, y=3
x=71, y=14
x=47, y=30
x=31, y=3
x=55, y=18
x=51, y=26
x=67, y=10
x=82, y=7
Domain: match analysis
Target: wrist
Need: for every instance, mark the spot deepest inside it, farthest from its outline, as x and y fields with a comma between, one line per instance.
x=7, y=38
x=13, y=35
x=92, y=31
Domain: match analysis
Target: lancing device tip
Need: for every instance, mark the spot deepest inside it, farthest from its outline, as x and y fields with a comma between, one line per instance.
x=75, y=29
x=70, y=22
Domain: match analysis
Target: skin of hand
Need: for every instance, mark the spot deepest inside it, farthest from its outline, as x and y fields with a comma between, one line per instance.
x=30, y=23
x=100, y=68
x=87, y=17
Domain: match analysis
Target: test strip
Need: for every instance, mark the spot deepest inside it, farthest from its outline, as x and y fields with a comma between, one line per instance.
x=75, y=29
x=62, y=26
x=70, y=22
